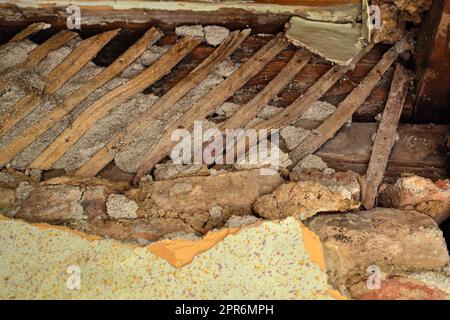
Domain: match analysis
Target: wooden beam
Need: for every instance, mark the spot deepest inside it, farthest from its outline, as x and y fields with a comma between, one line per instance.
x=213, y=99
x=163, y=104
x=433, y=64
x=317, y=90
x=77, y=59
x=30, y=30
x=19, y=143
x=55, y=42
x=385, y=137
x=347, y=107
x=102, y=106
x=419, y=150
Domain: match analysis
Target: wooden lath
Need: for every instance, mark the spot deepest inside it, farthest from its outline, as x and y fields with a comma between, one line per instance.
x=347, y=107
x=111, y=100
x=30, y=30
x=385, y=137
x=74, y=62
x=213, y=99
x=9, y=151
x=107, y=153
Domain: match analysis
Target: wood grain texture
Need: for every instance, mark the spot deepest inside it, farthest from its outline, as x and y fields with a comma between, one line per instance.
x=314, y=92
x=55, y=42
x=211, y=100
x=385, y=137
x=350, y=104
x=111, y=100
x=9, y=151
x=73, y=63
x=106, y=154
x=30, y=30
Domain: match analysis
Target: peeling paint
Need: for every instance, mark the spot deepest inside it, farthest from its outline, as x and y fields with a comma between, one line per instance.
x=272, y=260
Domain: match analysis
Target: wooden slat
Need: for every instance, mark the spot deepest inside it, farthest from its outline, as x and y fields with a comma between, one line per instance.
x=55, y=42
x=314, y=92
x=101, y=107
x=211, y=100
x=36, y=130
x=247, y=112
x=30, y=30
x=74, y=62
x=163, y=104
x=385, y=137
x=77, y=59
x=347, y=107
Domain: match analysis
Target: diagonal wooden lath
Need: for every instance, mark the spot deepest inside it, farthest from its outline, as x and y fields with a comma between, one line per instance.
x=349, y=105
x=213, y=99
x=74, y=62
x=13, y=148
x=106, y=154
x=30, y=30
x=112, y=99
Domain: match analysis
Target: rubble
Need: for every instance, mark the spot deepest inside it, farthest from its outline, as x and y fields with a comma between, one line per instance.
x=394, y=240
x=192, y=199
x=306, y=197
x=189, y=31
x=52, y=203
x=312, y=162
x=318, y=111
x=120, y=207
x=417, y=193
x=293, y=136
x=169, y=170
x=215, y=35
x=240, y=221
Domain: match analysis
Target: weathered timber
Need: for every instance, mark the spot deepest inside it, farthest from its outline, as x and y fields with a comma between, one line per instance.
x=347, y=107
x=385, y=137
x=73, y=63
x=18, y=144
x=211, y=100
x=106, y=154
x=111, y=100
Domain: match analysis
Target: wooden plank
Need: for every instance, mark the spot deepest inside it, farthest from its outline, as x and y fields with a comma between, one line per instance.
x=433, y=61
x=385, y=137
x=55, y=42
x=314, y=92
x=211, y=100
x=420, y=149
x=347, y=107
x=77, y=59
x=106, y=154
x=18, y=144
x=30, y=30
x=102, y=106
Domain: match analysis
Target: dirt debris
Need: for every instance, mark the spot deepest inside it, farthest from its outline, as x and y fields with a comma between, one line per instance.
x=134, y=150
x=241, y=221
x=215, y=35
x=313, y=162
x=119, y=206
x=169, y=170
x=293, y=136
x=304, y=199
x=190, y=31
x=394, y=240
x=318, y=111
x=14, y=53
x=181, y=235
